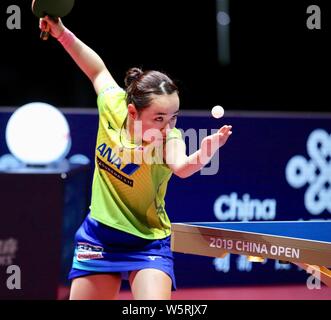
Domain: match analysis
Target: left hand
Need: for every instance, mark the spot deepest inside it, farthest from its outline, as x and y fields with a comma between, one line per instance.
x=212, y=143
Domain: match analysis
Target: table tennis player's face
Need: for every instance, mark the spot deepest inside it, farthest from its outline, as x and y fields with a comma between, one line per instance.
x=160, y=115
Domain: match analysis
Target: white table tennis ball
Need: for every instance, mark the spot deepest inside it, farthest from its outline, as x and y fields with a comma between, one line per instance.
x=38, y=134
x=217, y=112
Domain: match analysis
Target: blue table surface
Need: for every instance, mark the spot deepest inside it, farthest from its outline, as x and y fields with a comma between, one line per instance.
x=307, y=230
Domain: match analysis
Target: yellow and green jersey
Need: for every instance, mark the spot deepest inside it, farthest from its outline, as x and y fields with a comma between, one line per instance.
x=128, y=188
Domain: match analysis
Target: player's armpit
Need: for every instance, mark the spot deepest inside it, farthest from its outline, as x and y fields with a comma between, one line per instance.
x=175, y=155
x=102, y=79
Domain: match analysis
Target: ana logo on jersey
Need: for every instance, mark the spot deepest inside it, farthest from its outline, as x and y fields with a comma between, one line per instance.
x=315, y=172
x=108, y=153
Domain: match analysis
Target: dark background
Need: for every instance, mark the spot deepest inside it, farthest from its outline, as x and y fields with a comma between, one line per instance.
x=277, y=64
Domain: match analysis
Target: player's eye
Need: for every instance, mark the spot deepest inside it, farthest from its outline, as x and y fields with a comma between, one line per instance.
x=159, y=119
x=174, y=118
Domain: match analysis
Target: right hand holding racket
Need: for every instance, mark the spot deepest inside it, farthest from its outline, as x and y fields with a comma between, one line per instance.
x=55, y=27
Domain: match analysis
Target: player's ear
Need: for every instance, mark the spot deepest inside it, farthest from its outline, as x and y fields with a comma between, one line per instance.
x=132, y=111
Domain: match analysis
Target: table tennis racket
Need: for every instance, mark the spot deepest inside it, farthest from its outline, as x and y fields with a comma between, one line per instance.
x=55, y=9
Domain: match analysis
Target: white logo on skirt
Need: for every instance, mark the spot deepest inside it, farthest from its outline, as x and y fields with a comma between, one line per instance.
x=153, y=258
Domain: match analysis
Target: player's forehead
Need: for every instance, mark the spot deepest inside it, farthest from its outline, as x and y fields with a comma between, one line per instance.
x=164, y=104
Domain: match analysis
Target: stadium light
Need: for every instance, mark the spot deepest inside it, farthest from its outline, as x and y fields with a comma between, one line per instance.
x=38, y=134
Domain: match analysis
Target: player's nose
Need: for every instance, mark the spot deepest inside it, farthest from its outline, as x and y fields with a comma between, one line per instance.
x=165, y=129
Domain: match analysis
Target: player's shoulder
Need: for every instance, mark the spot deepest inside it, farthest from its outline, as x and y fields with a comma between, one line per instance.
x=110, y=95
x=111, y=88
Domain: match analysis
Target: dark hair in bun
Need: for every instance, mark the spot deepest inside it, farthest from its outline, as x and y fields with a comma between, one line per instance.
x=141, y=85
x=132, y=75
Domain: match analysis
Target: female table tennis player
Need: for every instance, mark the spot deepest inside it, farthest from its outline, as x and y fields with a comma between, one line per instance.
x=127, y=232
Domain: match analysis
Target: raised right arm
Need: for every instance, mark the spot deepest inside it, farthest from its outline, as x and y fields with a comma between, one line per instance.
x=86, y=59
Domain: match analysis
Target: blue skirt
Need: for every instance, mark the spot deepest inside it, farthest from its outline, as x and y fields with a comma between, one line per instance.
x=100, y=249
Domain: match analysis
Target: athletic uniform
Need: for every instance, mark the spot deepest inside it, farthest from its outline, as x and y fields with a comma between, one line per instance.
x=127, y=228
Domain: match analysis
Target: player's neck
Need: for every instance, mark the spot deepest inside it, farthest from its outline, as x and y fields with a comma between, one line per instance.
x=132, y=133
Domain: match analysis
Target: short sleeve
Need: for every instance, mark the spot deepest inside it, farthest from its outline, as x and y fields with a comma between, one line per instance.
x=112, y=104
x=174, y=134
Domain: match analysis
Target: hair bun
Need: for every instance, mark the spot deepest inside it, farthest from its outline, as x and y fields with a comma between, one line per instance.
x=132, y=75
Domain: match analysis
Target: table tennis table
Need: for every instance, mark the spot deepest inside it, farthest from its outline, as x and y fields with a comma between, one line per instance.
x=306, y=244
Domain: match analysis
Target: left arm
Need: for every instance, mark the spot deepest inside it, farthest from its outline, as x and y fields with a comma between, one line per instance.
x=184, y=166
